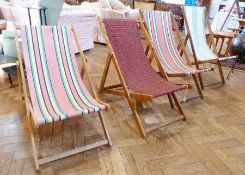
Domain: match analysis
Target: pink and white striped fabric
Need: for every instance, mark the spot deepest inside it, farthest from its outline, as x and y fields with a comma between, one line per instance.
x=159, y=25
x=56, y=89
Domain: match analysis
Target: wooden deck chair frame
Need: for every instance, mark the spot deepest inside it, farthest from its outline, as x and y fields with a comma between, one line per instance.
x=123, y=90
x=151, y=49
x=224, y=37
x=30, y=111
x=211, y=39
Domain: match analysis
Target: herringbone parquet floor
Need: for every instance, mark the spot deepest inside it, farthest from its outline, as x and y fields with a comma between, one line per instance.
x=210, y=142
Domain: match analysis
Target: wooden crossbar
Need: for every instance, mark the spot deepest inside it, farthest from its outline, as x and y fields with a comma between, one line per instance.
x=154, y=55
x=72, y=152
x=213, y=84
x=31, y=115
x=153, y=128
x=211, y=36
x=112, y=86
x=124, y=91
x=137, y=96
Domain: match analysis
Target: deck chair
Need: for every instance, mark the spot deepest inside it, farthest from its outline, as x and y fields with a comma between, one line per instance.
x=138, y=79
x=54, y=90
x=195, y=20
x=160, y=26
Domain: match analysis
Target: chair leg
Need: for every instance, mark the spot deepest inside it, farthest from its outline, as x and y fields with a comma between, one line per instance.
x=170, y=101
x=141, y=128
x=147, y=50
x=129, y=98
x=19, y=79
x=232, y=68
x=178, y=106
x=105, y=128
x=221, y=72
x=201, y=81
x=106, y=70
x=10, y=80
x=82, y=71
x=32, y=141
x=139, y=105
x=197, y=85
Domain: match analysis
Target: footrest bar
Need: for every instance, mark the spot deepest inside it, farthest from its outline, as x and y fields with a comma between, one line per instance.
x=72, y=152
x=191, y=98
x=213, y=84
x=148, y=130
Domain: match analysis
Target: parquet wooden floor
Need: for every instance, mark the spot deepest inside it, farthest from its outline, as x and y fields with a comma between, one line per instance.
x=210, y=142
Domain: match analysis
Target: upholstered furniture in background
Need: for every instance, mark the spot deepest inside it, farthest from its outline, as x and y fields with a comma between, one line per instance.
x=112, y=9
x=8, y=55
x=84, y=24
x=16, y=11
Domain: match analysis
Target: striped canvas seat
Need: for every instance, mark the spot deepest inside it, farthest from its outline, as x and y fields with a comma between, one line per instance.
x=124, y=36
x=159, y=25
x=57, y=91
x=195, y=17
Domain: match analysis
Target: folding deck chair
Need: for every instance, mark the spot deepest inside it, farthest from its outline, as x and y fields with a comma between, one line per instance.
x=160, y=25
x=195, y=19
x=54, y=90
x=138, y=79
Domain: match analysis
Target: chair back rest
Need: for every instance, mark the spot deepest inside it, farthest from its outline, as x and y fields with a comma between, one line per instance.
x=196, y=20
x=124, y=36
x=160, y=29
x=54, y=82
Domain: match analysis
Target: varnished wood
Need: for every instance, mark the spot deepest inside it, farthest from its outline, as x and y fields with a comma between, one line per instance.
x=106, y=69
x=34, y=149
x=123, y=83
x=211, y=38
x=31, y=113
x=84, y=61
x=72, y=152
x=178, y=105
x=21, y=69
x=19, y=78
x=226, y=39
x=154, y=54
x=139, y=97
x=212, y=140
x=136, y=96
x=197, y=85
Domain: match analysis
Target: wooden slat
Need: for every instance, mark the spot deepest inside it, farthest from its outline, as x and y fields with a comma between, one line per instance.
x=72, y=152
x=137, y=96
x=210, y=142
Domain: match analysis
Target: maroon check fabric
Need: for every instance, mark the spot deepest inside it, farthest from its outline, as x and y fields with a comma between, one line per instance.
x=139, y=75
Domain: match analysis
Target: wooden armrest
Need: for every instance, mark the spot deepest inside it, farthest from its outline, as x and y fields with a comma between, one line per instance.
x=223, y=34
x=239, y=19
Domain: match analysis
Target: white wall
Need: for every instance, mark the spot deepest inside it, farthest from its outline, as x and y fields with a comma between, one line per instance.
x=214, y=8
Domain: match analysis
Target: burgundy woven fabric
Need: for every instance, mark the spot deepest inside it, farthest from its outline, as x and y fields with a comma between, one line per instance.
x=137, y=71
